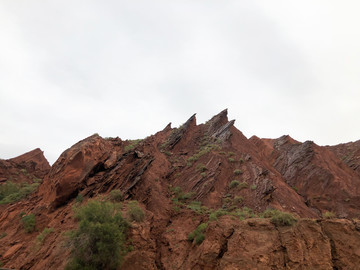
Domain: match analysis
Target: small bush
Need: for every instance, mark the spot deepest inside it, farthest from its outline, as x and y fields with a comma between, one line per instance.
x=203, y=174
x=231, y=160
x=41, y=237
x=3, y=234
x=230, y=154
x=99, y=242
x=253, y=187
x=134, y=212
x=234, y=184
x=116, y=195
x=281, y=218
x=79, y=198
x=238, y=199
x=328, y=215
x=244, y=213
x=243, y=185
x=132, y=144
x=237, y=171
x=29, y=223
x=198, y=234
x=201, y=167
x=213, y=216
x=199, y=238
x=11, y=192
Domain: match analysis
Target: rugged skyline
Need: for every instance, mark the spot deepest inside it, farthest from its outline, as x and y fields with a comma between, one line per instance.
x=69, y=69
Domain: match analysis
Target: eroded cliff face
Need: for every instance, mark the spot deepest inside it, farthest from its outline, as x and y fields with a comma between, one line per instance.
x=202, y=160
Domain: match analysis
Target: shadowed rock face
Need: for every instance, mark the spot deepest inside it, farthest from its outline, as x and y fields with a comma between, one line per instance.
x=203, y=160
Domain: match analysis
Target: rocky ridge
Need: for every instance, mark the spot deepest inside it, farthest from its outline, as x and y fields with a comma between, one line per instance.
x=203, y=160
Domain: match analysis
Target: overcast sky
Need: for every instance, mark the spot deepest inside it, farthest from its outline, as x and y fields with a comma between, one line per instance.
x=69, y=69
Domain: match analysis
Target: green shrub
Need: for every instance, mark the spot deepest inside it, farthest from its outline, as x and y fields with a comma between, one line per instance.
x=11, y=192
x=3, y=234
x=243, y=185
x=234, y=184
x=41, y=237
x=244, y=213
x=230, y=154
x=29, y=223
x=201, y=167
x=280, y=218
x=237, y=171
x=213, y=216
x=253, y=187
x=198, y=234
x=37, y=180
x=99, y=242
x=329, y=215
x=179, y=195
x=231, y=159
x=116, y=195
x=79, y=198
x=203, y=151
x=134, y=212
x=132, y=144
x=238, y=199
x=199, y=238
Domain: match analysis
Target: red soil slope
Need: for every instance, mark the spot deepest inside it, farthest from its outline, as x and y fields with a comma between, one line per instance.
x=301, y=178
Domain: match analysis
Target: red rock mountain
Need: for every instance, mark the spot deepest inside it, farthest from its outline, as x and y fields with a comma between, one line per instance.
x=219, y=168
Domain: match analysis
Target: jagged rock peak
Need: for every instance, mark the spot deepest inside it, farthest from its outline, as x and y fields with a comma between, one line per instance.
x=217, y=120
x=219, y=126
x=177, y=134
x=167, y=128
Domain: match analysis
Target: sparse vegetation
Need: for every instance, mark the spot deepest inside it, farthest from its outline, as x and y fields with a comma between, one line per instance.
x=41, y=237
x=116, y=195
x=79, y=198
x=180, y=196
x=28, y=222
x=234, y=184
x=237, y=172
x=11, y=192
x=3, y=234
x=201, y=167
x=238, y=199
x=134, y=212
x=231, y=160
x=198, y=234
x=329, y=215
x=253, y=187
x=203, y=151
x=279, y=218
x=230, y=154
x=243, y=185
x=132, y=144
x=99, y=242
